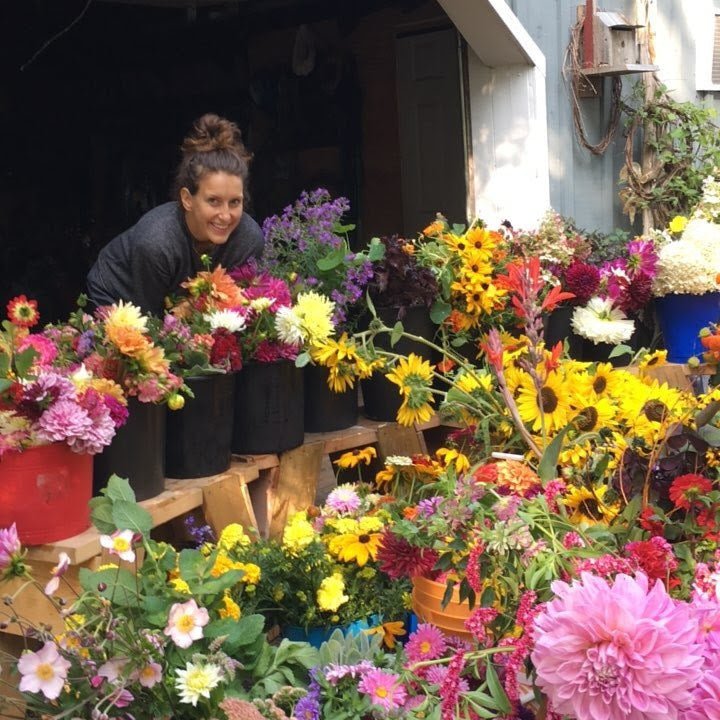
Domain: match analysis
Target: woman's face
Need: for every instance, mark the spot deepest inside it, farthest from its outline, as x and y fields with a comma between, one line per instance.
x=214, y=211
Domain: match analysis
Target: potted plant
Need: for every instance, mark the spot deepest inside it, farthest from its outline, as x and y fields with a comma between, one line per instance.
x=53, y=418
x=308, y=243
x=686, y=285
x=116, y=343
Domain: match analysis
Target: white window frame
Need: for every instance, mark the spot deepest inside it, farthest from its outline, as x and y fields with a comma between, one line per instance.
x=704, y=47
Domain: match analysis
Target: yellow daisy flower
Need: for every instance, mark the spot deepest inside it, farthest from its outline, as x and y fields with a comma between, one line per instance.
x=357, y=548
x=652, y=360
x=548, y=407
x=450, y=456
x=353, y=458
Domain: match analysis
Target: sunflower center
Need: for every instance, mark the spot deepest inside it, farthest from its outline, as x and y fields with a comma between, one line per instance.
x=476, y=297
x=599, y=384
x=461, y=246
x=654, y=410
x=548, y=399
x=587, y=419
x=364, y=538
x=652, y=361
x=590, y=507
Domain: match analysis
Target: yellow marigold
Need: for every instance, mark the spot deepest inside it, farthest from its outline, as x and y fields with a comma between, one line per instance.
x=252, y=573
x=180, y=585
x=298, y=533
x=370, y=524
x=224, y=564
x=354, y=457
x=343, y=525
x=230, y=608
x=331, y=594
x=232, y=536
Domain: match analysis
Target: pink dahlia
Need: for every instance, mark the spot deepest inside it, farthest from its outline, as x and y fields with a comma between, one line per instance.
x=616, y=651
x=705, y=699
x=45, y=348
x=63, y=421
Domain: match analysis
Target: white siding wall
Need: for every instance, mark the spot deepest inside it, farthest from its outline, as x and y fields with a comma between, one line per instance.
x=509, y=130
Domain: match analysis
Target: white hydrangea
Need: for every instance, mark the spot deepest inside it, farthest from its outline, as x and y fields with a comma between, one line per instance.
x=600, y=322
x=691, y=264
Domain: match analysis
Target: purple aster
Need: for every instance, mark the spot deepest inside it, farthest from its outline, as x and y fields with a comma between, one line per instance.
x=426, y=643
x=86, y=343
x=429, y=506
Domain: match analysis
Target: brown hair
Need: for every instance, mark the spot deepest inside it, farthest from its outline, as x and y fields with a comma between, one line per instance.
x=213, y=145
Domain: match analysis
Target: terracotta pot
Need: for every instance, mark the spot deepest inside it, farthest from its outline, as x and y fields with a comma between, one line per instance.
x=427, y=598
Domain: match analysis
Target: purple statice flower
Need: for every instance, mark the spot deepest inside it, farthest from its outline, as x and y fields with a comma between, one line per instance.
x=201, y=534
x=64, y=420
x=9, y=546
x=437, y=675
x=86, y=343
x=429, y=506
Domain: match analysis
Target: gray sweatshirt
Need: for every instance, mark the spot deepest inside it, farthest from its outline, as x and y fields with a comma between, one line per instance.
x=148, y=261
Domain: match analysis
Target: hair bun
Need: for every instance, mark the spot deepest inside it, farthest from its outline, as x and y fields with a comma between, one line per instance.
x=212, y=132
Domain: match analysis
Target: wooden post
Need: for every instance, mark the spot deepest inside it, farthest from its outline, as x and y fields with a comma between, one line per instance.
x=394, y=439
x=588, y=36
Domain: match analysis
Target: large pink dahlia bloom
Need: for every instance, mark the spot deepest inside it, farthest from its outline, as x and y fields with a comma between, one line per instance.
x=617, y=650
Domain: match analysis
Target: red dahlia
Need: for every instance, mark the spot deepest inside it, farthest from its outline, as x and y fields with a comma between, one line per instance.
x=397, y=558
x=685, y=489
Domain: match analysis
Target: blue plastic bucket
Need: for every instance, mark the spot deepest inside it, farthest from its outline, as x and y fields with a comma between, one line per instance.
x=681, y=317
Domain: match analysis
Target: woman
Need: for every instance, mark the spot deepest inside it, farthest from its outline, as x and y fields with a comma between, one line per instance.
x=150, y=260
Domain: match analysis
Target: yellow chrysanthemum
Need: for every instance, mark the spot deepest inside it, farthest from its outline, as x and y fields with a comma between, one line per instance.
x=370, y=524
x=315, y=312
x=230, y=608
x=450, y=456
x=331, y=594
x=587, y=505
x=547, y=407
x=355, y=548
x=180, y=585
x=126, y=315
x=298, y=533
x=353, y=458
x=232, y=536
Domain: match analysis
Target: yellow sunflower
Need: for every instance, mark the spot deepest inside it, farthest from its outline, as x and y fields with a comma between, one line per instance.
x=415, y=410
x=331, y=352
x=653, y=360
x=593, y=415
x=450, y=456
x=587, y=505
x=354, y=547
x=547, y=407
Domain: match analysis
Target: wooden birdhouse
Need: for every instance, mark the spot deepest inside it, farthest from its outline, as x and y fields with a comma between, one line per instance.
x=610, y=44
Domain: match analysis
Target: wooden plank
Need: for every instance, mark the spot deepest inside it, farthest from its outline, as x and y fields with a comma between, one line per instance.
x=394, y=439
x=262, y=462
x=295, y=484
x=260, y=492
x=673, y=374
x=341, y=440
x=228, y=501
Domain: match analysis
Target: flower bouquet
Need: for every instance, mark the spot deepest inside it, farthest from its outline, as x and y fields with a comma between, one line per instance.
x=53, y=418
x=173, y=635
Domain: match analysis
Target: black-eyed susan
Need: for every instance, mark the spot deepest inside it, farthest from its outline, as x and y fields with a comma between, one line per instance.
x=587, y=505
x=451, y=456
x=415, y=409
x=413, y=376
x=389, y=631
x=546, y=407
x=356, y=547
x=353, y=458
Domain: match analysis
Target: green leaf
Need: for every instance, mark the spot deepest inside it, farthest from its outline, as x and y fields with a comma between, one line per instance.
x=4, y=384
x=24, y=361
x=396, y=333
x=547, y=469
x=191, y=564
x=119, y=489
x=619, y=350
x=130, y=516
x=118, y=585
x=369, y=303
x=439, y=311
x=101, y=515
x=332, y=259
x=496, y=690
x=302, y=359
x=239, y=632
x=376, y=251
x=5, y=365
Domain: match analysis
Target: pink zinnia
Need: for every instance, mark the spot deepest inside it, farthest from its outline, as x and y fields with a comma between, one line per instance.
x=426, y=643
x=613, y=651
x=45, y=348
x=384, y=689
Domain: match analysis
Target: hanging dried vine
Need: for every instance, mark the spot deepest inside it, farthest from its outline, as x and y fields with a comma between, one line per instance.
x=573, y=75
x=686, y=148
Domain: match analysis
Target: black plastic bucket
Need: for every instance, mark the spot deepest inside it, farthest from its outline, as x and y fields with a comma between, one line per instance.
x=381, y=398
x=198, y=438
x=326, y=410
x=137, y=452
x=269, y=408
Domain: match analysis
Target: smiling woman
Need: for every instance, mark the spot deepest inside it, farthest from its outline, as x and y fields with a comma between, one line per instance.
x=150, y=260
